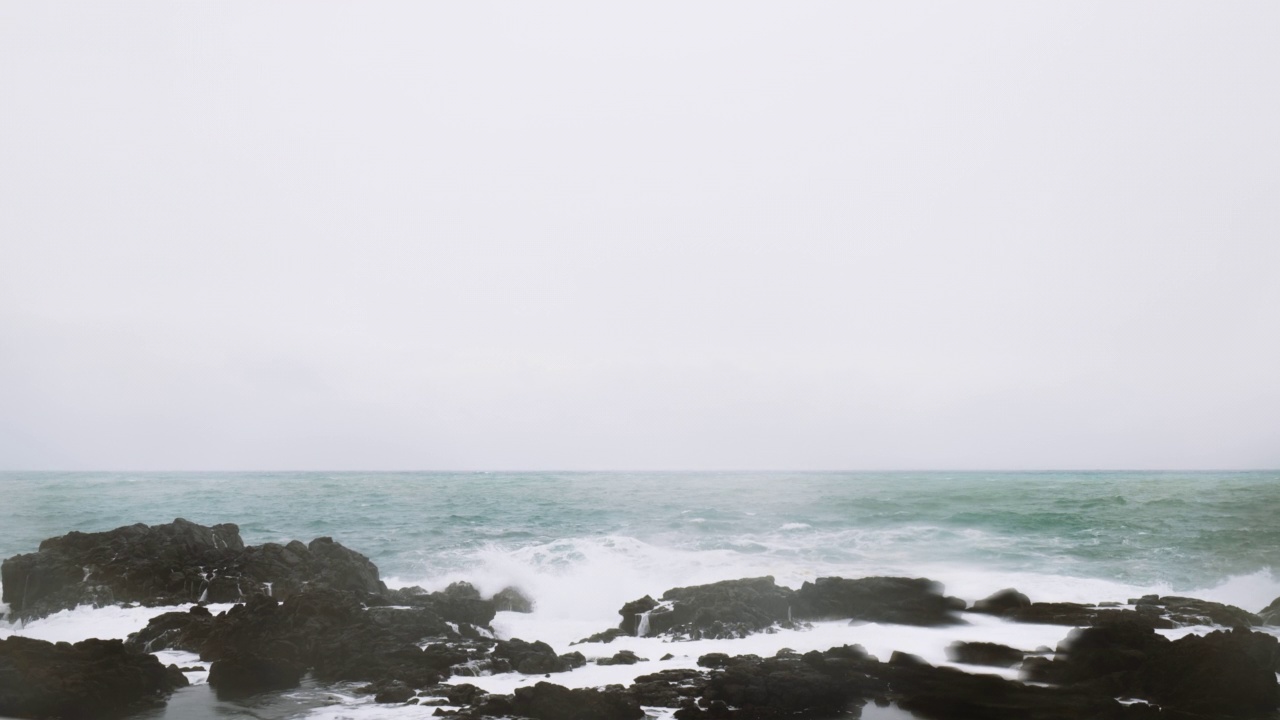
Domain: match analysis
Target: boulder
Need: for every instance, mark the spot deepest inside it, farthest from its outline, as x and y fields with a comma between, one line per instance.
x=1001, y=602
x=984, y=653
x=622, y=657
x=728, y=609
x=1182, y=611
x=241, y=675
x=545, y=701
x=512, y=600
x=901, y=601
x=536, y=658
x=88, y=680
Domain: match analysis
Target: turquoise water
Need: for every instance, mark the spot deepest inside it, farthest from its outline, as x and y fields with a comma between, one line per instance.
x=1179, y=532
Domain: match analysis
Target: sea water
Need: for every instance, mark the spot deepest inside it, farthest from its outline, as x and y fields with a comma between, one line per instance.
x=582, y=544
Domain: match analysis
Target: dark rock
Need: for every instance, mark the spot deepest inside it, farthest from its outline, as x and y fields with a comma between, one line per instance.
x=536, y=658
x=512, y=600
x=668, y=688
x=1270, y=615
x=1001, y=602
x=1079, y=615
x=1191, y=611
x=393, y=693
x=630, y=613
x=902, y=601
x=458, y=603
x=546, y=701
x=728, y=609
x=984, y=653
x=242, y=675
x=1229, y=673
x=463, y=694
x=622, y=657
x=607, y=636
x=179, y=562
x=88, y=680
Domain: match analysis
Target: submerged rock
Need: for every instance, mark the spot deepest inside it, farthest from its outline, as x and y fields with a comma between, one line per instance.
x=984, y=653
x=85, y=681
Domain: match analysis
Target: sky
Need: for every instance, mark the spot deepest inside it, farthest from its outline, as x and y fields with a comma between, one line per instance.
x=639, y=235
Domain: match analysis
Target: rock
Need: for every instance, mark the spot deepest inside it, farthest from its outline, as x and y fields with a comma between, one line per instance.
x=902, y=601
x=984, y=653
x=728, y=609
x=545, y=701
x=622, y=657
x=1222, y=673
x=1270, y=615
x=668, y=688
x=88, y=680
x=1001, y=602
x=630, y=613
x=1183, y=611
x=1079, y=615
x=179, y=562
x=393, y=692
x=536, y=658
x=606, y=636
x=458, y=603
x=326, y=631
x=512, y=600
x=242, y=675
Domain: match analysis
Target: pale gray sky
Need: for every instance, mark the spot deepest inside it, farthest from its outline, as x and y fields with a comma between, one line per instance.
x=320, y=235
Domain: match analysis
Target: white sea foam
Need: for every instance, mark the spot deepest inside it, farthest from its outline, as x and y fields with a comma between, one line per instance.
x=110, y=622
x=795, y=526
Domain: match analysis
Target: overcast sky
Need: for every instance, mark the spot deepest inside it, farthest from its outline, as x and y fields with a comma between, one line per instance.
x=644, y=235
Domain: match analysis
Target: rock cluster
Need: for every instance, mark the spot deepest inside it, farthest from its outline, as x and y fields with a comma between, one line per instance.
x=88, y=680
x=737, y=608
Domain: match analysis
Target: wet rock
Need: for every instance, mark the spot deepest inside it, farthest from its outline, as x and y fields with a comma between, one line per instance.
x=607, y=636
x=1191, y=611
x=512, y=600
x=1001, y=602
x=1224, y=673
x=174, y=563
x=458, y=603
x=631, y=612
x=1080, y=615
x=984, y=653
x=668, y=688
x=536, y=658
x=728, y=609
x=902, y=601
x=241, y=675
x=88, y=680
x=545, y=701
x=622, y=657
x=1270, y=615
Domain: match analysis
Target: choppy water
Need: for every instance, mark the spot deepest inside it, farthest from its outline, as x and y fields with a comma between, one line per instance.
x=581, y=544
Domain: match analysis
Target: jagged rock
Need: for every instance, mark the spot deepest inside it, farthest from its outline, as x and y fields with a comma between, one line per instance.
x=179, y=562
x=241, y=675
x=631, y=613
x=1229, y=673
x=984, y=653
x=458, y=603
x=1192, y=611
x=668, y=688
x=607, y=636
x=902, y=601
x=536, y=658
x=1270, y=615
x=327, y=631
x=1080, y=615
x=85, y=681
x=728, y=609
x=512, y=600
x=1000, y=602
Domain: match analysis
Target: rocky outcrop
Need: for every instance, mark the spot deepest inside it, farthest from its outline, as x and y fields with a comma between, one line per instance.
x=984, y=653
x=238, y=676
x=88, y=680
x=1016, y=607
x=179, y=562
x=536, y=658
x=1224, y=673
x=1183, y=611
x=895, y=600
x=1270, y=615
x=545, y=701
x=737, y=608
x=511, y=600
x=325, y=631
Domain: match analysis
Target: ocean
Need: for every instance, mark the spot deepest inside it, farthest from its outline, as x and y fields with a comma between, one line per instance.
x=582, y=544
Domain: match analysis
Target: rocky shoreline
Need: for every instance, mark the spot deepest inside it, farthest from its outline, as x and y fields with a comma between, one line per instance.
x=321, y=609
